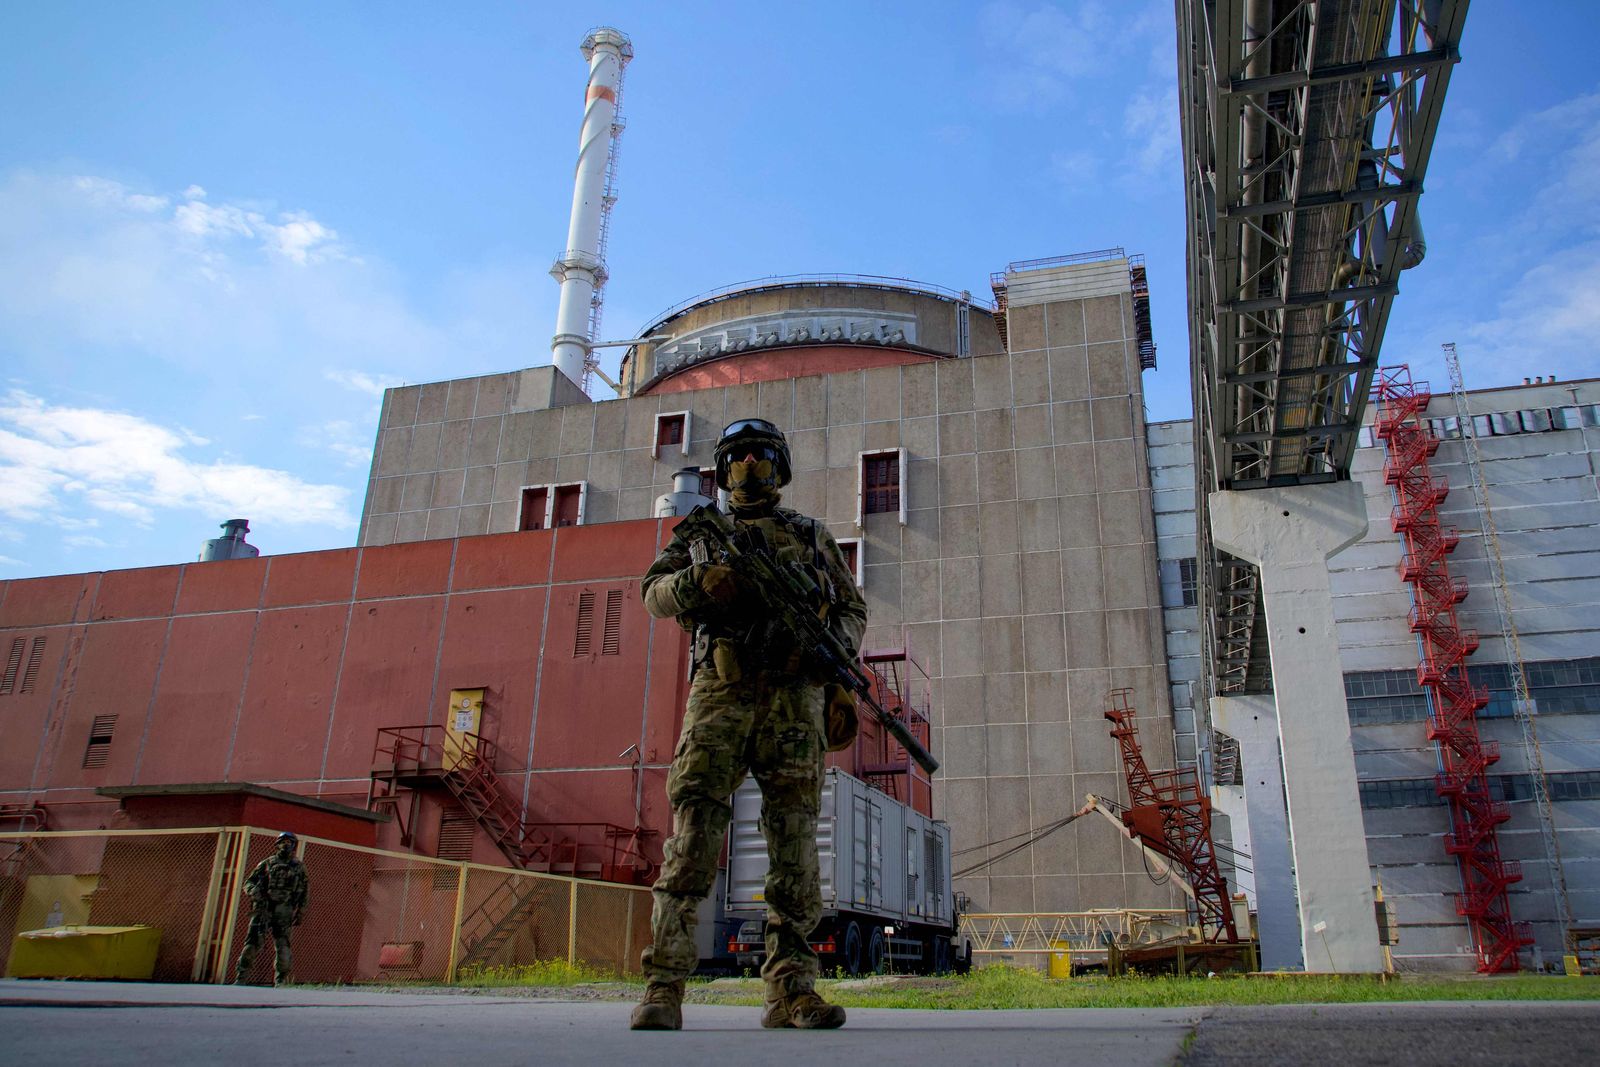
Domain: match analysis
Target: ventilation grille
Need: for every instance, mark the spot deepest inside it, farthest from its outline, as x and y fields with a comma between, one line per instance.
x=8, y=683
x=611, y=638
x=580, y=645
x=99, y=747
x=455, y=843
x=933, y=867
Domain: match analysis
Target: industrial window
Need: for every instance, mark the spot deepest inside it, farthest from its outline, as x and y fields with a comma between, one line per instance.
x=672, y=429
x=580, y=644
x=535, y=508
x=1399, y=793
x=882, y=477
x=708, y=482
x=19, y=678
x=851, y=549
x=1575, y=785
x=1178, y=588
x=611, y=636
x=1186, y=581
x=566, y=508
x=99, y=747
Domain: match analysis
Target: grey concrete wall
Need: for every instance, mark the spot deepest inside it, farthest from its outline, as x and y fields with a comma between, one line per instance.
x=1023, y=579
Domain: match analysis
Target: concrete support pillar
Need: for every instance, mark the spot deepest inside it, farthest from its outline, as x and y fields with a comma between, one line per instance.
x=1253, y=722
x=1289, y=533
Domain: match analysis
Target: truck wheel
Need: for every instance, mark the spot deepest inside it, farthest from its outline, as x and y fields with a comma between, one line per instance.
x=852, y=949
x=877, y=951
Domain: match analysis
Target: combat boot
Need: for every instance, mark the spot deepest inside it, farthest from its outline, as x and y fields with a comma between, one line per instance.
x=661, y=1008
x=804, y=1010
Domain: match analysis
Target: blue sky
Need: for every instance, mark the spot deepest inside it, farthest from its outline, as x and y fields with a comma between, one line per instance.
x=224, y=228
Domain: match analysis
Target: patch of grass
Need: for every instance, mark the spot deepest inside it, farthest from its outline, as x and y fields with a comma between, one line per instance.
x=558, y=973
x=1002, y=987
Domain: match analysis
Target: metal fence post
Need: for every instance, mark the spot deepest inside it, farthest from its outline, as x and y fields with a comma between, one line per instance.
x=455, y=925
x=225, y=946
x=203, y=945
x=572, y=922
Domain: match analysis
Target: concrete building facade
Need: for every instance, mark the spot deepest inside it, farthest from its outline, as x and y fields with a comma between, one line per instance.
x=1540, y=449
x=1015, y=561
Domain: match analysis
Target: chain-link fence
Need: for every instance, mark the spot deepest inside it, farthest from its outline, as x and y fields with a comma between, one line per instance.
x=373, y=915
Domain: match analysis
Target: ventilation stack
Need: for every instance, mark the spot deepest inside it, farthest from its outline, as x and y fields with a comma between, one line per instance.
x=685, y=495
x=231, y=545
x=581, y=268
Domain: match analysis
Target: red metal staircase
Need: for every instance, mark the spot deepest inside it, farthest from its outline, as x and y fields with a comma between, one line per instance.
x=901, y=686
x=417, y=757
x=1170, y=814
x=1409, y=443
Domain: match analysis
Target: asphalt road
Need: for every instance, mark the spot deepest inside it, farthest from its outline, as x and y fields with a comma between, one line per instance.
x=129, y=1023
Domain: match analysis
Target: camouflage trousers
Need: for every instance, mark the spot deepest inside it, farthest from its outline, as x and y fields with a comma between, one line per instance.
x=276, y=921
x=773, y=730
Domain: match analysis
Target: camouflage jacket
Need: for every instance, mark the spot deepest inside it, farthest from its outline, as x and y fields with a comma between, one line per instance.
x=671, y=591
x=279, y=882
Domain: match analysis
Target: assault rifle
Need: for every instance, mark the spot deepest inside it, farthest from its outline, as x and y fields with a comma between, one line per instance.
x=791, y=597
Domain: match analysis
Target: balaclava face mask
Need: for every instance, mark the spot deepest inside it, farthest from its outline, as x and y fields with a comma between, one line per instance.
x=753, y=483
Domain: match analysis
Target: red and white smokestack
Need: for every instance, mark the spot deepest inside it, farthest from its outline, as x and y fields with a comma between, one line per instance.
x=581, y=269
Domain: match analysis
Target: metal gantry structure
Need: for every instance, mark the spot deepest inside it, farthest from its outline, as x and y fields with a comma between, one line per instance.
x=1307, y=127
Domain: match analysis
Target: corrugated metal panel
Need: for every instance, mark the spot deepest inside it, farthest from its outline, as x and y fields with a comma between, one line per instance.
x=877, y=856
x=1072, y=281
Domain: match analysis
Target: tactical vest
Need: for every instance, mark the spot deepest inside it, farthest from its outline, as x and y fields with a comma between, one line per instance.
x=793, y=538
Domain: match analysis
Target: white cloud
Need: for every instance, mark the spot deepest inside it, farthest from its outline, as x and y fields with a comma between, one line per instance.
x=360, y=381
x=54, y=458
x=90, y=267
x=1150, y=123
x=1535, y=276
x=7, y=561
x=342, y=438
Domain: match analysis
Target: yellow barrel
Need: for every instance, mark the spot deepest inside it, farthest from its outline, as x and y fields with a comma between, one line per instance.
x=127, y=952
x=1061, y=959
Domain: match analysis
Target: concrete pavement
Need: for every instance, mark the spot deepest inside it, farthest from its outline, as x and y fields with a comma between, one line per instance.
x=131, y=1023
x=128, y=1023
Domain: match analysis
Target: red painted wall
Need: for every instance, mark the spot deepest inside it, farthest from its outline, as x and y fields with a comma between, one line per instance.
x=281, y=670
x=771, y=365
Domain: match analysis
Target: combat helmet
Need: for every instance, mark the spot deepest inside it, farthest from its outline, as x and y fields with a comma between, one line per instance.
x=752, y=432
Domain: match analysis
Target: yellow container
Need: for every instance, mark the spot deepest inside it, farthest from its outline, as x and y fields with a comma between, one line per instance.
x=1571, y=965
x=127, y=952
x=1061, y=960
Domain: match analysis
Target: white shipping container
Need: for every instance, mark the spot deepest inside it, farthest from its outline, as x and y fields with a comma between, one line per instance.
x=879, y=858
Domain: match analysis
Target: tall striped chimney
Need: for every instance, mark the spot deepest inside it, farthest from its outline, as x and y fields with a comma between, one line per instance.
x=581, y=268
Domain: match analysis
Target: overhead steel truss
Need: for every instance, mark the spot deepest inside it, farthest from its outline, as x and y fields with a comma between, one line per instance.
x=1307, y=127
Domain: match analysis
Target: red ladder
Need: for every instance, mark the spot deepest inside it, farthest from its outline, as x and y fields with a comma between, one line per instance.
x=1444, y=647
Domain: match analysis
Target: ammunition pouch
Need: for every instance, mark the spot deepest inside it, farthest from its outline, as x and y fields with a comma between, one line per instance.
x=839, y=716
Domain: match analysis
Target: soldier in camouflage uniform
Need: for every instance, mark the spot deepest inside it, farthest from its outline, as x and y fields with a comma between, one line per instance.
x=754, y=707
x=278, y=890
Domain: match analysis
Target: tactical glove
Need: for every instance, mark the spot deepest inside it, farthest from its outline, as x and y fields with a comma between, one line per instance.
x=718, y=583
